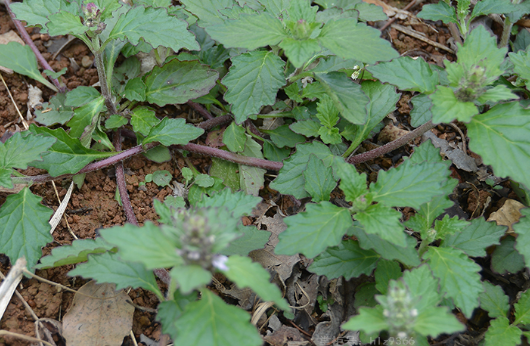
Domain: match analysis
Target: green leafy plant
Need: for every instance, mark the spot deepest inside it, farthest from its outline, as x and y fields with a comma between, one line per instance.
x=317, y=81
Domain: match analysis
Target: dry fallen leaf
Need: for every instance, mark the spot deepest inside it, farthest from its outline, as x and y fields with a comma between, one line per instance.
x=98, y=322
x=508, y=214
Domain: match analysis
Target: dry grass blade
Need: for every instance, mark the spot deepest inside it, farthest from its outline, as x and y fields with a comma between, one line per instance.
x=417, y=35
x=14, y=103
x=9, y=285
x=56, y=218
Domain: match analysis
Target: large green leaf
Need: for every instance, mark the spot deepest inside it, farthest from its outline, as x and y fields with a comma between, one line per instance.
x=249, y=31
x=24, y=227
x=75, y=253
x=190, y=277
x=383, y=221
x=178, y=81
x=351, y=40
x=319, y=181
x=253, y=81
x=210, y=321
x=407, y=74
x=506, y=259
x=346, y=94
x=67, y=155
x=291, y=179
x=208, y=10
x=522, y=309
x=440, y=11
x=476, y=237
x=146, y=244
x=436, y=321
x=110, y=268
x=247, y=274
x=25, y=62
x=458, y=275
x=64, y=23
x=409, y=184
x=312, y=231
x=501, y=137
x=501, y=332
x=237, y=203
x=346, y=259
x=486, y=7
x=494, y=301
x=36, y=12
x=154, y=25
x=173, y=131
x=423, y=286
x=446, y=107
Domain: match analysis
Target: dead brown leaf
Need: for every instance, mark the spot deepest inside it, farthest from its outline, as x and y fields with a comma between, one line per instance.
x=508, y=214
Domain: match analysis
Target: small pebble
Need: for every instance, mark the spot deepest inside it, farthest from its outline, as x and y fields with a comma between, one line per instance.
x=87, y=61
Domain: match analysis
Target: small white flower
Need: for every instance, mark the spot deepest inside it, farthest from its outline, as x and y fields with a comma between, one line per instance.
x=219, y=262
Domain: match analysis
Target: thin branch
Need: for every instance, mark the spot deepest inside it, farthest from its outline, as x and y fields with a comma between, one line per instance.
x=25, y=36
x=122, y=186
x=208, y=124
x=201, y=110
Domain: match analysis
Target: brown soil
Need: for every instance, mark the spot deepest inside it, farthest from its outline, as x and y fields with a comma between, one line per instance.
x=93, y=206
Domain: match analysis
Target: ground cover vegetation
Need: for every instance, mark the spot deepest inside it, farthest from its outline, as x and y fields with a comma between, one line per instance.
x=331, y=80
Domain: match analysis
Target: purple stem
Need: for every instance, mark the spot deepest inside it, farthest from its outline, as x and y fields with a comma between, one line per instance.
x=22, y=30
x=122, y=185
x=208, y=124
x=200, y=109
x=401, y=141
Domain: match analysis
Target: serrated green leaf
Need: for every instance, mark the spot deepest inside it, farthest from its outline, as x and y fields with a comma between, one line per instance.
x=75, y=253
x=67, y=155
x=36, y=12
x=501, y=332
x=370, y=320
x=423, y=287
x=347, y=95
x=522, y=228
x=204, y=180
x=421, y=111
x=25, y=63
x=154, y=25
x=84, y=115
x=319, y=181
x=143, y=119
x=208, y=10
x=249, y=31
x=494, y=301
x=409, y=184
x=312, y=231
x=330, y=135
x=226, y=171
x=146, y=244
x=115, y=121
x=370, y=12
x=522, y=309
x=63, y=23
x=476, y=237
x=436, y=321
x=505, y=259
x=282, y=136
x=253, y=81
x=346, y=259
x=502, y=137
x=427, y=152
x=173, y=131
x=521, y=62
x=251, y=179
x=390, y=251
x=250, y=239
x=497, y=94
x=449, y=226
x=5, y=178
x=23, y=148
x=81, y=96
x=440, y=11
x=178, y=82
x=135, y=90
x=110, y=268
x=54, y=112
x=190, y=277
x=352, y=183
x=458, y=275
x=238, y=203
x=349, y=39
x=407, y=74
x=446, y=107
x=291, y=180
x=383, y=221
x=24, y=227
x=234, y=138
x=486, y=7
x=247, y=274
x=169, y=311
x=299, y=51
x=327, y=113
x=386, y=271
x=210, y=321
x=308, y=128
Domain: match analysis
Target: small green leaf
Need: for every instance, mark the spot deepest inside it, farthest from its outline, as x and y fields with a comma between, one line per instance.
x=173, y=131
x=84, y=115
x=386, y=271
x=458, y=275
x=352, y=183
x=407, y=74
x=63, y=23
x=208, y=10
x=210, y=321
x=494, y=301
x=158, y=154
x=247, y=274
x=423, y=286
x=502, y=137
x=135, y=90
x=273, y=153
x=204, y=180
x=55, y=75
x=253, y=81
x=312, y=231
x=187, y=174
x=54, y=112
x=162, y=178
x=475, y=238
x=115, y=121
x=505, y=259
x=421, y=111
x=238, y=203
x=522, y=309
x=308, y=128
x=178, y=82
x=24, y=227
x=349, y=39
x=110, y=268
x=234, y=138
x=383, y=221
x=81, y=96
x=346, y=259
x=440, y=11
x=446, y=107
x=486, y=7
x=319, y=181
x=143, y=119
x=501, y=332
x=282, y=136
x=251, y=179
x=154, y=25
x=190, y=277
x=299, y=51
x=497, y=94
x=522, y=228
x=72, y=254
x=370, y=320
x=226, y=171
x=449, y=226
x=251, y=239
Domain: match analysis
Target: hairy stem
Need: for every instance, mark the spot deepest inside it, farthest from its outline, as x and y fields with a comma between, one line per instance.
x=25, y=36
x=122, y=185
x=209, y=124
x=506, y=33
x=105, y=88
x=201, y=110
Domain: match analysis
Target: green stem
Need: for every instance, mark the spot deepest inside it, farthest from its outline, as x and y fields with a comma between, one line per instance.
x=254, y=135
x=506, y=33
x=276, y=115
x=424, y=245
x=105, y=90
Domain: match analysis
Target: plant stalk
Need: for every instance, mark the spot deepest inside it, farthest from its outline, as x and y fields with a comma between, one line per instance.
x=122, y=185
x=201, y=110
x=506, y=33
x=105, y=88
